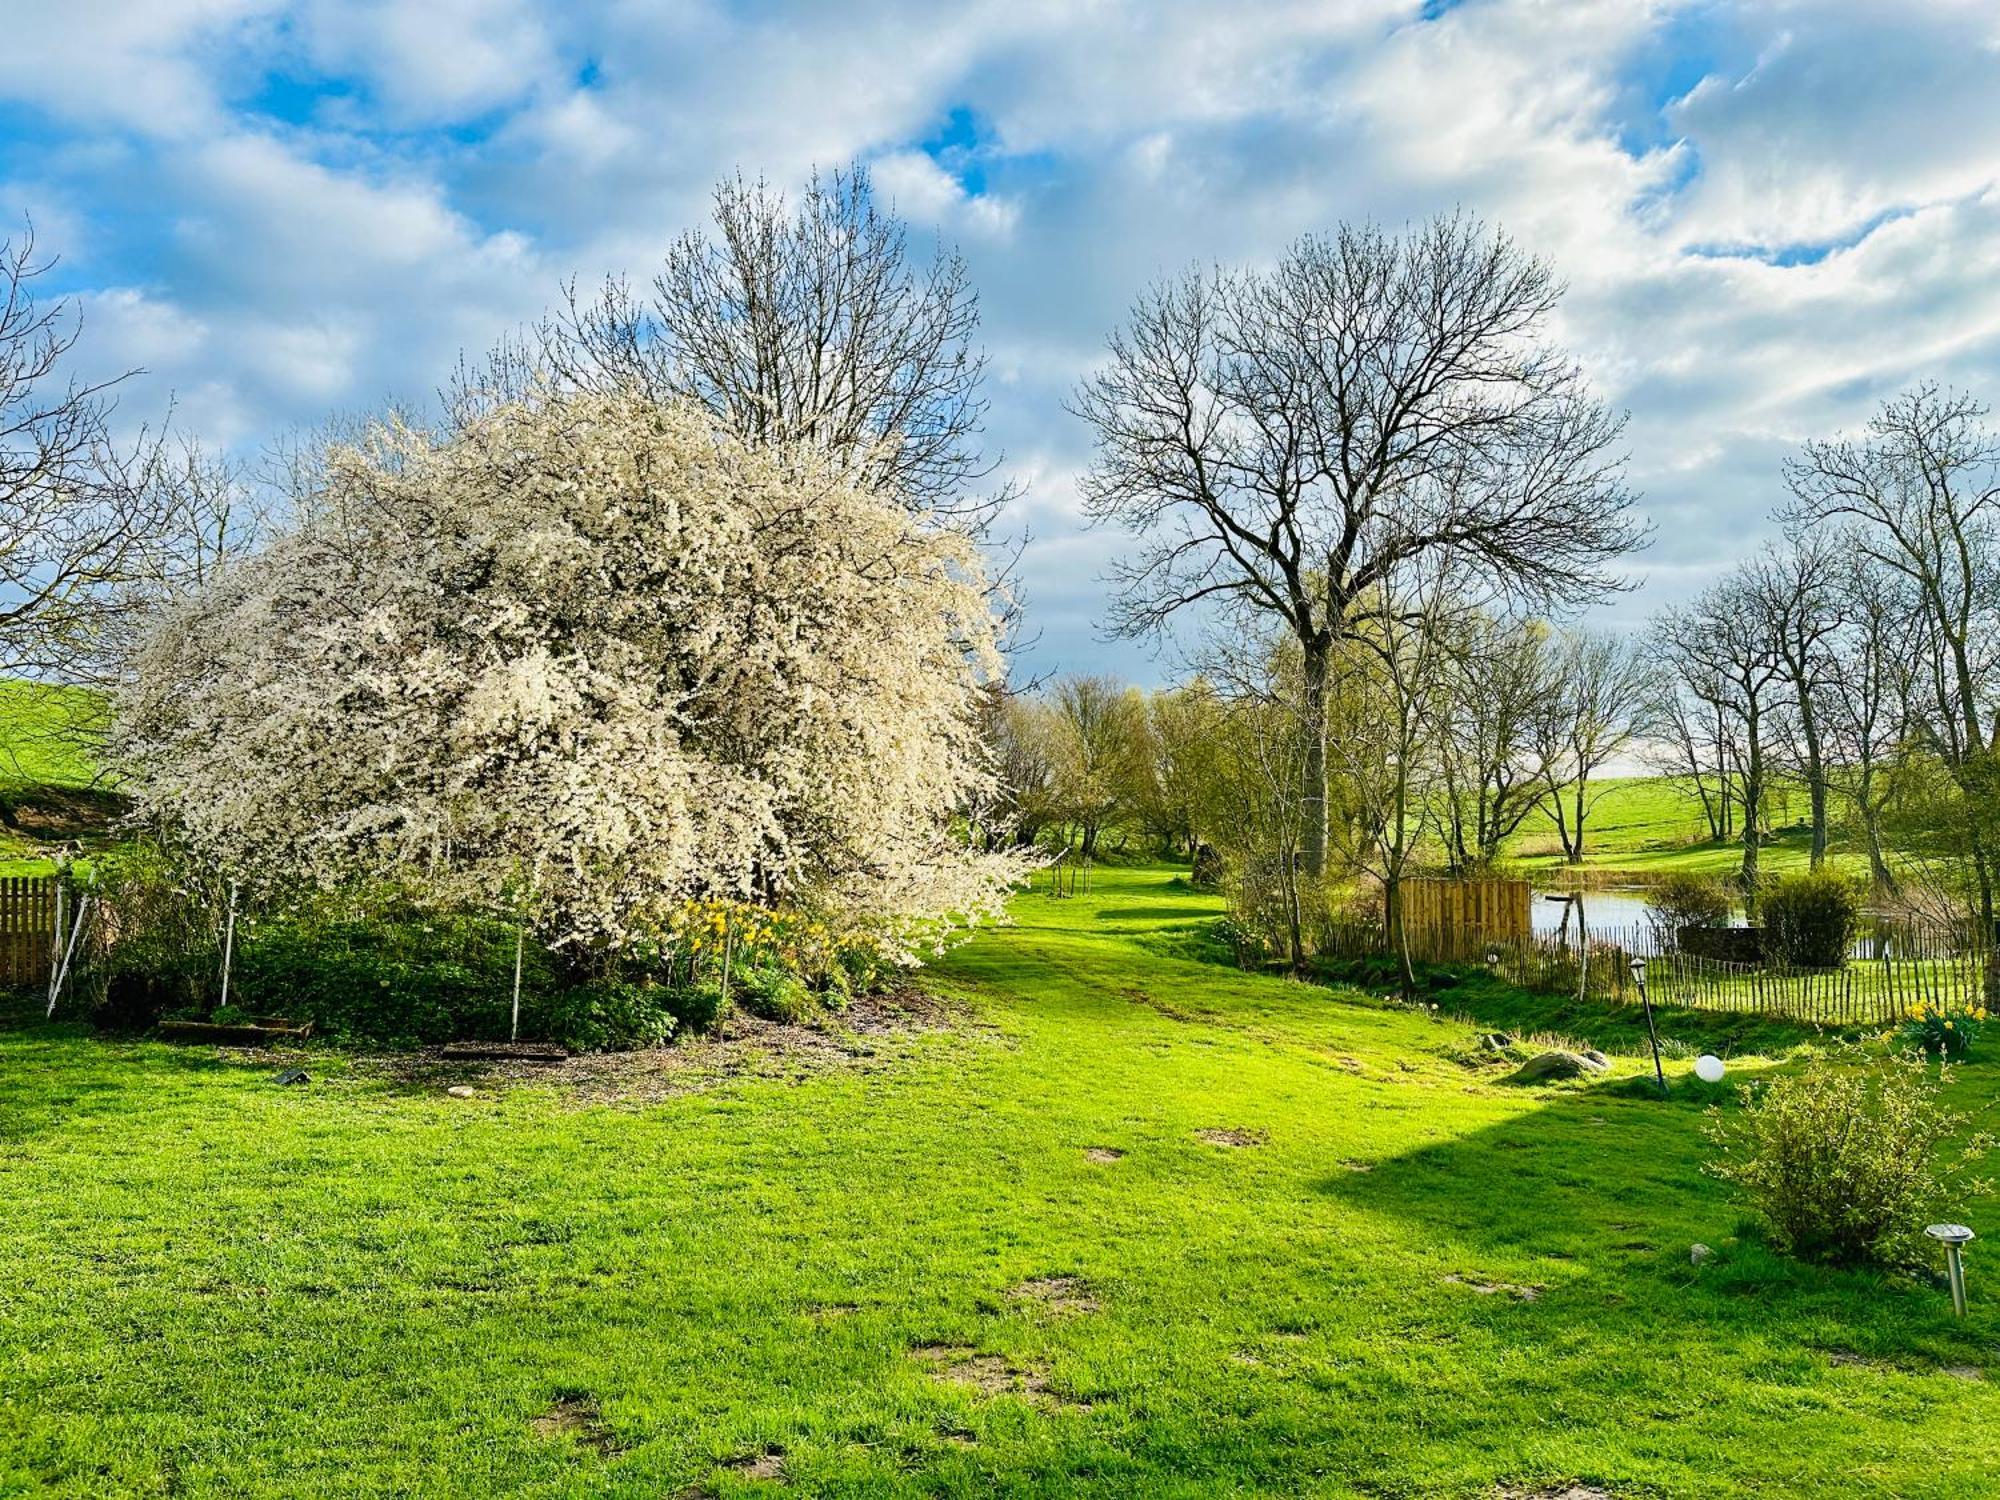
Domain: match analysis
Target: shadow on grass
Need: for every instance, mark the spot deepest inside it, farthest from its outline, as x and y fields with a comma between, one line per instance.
x=1472, y=992
x=1584, y=1212
x=1155, y=913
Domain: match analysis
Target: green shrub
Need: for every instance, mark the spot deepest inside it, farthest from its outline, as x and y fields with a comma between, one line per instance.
x=1942, y=1032
x=402, y=981
x=615, y=1015
x=153, y=943
x=1844, y=1162
x=1809, y=919
x=773, y=994
x=1685, y=899
x=694, y=1007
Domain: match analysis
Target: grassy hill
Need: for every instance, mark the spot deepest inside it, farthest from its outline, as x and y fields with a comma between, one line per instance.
x=1650, y=825
x=1129, y=1224
x=50, y=790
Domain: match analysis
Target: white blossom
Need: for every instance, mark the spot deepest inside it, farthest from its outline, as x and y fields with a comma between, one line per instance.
x=585, y=656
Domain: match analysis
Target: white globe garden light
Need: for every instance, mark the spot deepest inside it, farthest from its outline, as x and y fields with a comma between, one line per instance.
x=1708, y=1068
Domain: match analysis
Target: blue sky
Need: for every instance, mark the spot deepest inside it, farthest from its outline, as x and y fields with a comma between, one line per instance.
x=1769, y=215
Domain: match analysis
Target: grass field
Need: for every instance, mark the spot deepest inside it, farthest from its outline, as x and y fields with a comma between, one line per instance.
x=48, y=791
x=919, y=1269
x=1651, y=825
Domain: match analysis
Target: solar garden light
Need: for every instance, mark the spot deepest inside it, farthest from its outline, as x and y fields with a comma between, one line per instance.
x=1652, y=1031
x=1954, y=1238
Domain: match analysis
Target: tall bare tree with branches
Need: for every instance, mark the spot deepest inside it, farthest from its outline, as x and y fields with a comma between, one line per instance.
x=1286, y=439
x=77, y=511
x=1921, y=488
x=792, y=323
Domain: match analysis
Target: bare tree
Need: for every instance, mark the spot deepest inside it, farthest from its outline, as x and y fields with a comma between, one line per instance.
x=1285, y=440
x=806, y=323
x=1500, y=680
x=1692, y=740
x=1795, y=589
x=1599, y=705
x=79, y=515
x=1923, y=487
x=1721, y=650
x=1397, y=662
x=1874, y=675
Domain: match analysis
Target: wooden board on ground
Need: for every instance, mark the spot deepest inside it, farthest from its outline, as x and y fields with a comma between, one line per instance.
x=261, y=1032
x=544, y=1052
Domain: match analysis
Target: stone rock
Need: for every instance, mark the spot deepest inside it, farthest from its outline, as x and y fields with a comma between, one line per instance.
x=1597, y=1060
x=1698, y=1253
x=1550, y=1066
x=1496, y=1041
x=293, y=1075
x=460, y=1091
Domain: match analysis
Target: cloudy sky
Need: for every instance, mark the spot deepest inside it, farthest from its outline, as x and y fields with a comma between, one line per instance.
x=1769, y=215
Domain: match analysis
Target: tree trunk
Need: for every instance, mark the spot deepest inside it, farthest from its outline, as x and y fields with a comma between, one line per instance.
x=1815, y=783
x=1753, y=798
x=1312, y=839
x=1575, y=850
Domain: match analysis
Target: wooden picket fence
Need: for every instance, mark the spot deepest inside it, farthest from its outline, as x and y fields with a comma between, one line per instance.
x=1888, y=971
x=27, y=929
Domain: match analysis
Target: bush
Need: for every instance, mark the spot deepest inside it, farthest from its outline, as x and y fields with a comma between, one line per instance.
x=403, y=981
x=615, y=1015
x=417, y=980
x=1941, y=1032
x=1684, y=900
x=1846, y=1163
x=694, y=1007
x=1809, y=920
x=153, y=944
x=774, y=994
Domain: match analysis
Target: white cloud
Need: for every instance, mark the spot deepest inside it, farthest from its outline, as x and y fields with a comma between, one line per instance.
x=270, y=269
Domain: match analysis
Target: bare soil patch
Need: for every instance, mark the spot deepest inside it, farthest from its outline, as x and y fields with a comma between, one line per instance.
x=1556, y=1492
x=1496, y=1289
x=1102, y=1154
x=988, y=1374
x=873, y=1033
x=1059, y=1294
x=768, y=1466
x=578, y=1419
x=1233, y=1137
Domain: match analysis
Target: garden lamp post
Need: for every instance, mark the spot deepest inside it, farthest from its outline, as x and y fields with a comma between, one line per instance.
x=1652, y=1031
x=1954, y=1238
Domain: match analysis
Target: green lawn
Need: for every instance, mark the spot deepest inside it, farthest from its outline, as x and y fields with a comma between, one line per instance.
x=33, y=751
x=48, y=784
x=1651, y=825
x=1417, y=1281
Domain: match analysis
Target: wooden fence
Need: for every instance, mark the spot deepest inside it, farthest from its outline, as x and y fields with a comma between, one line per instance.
x=1456, y=916
x=27, y=929
x=1887, y=973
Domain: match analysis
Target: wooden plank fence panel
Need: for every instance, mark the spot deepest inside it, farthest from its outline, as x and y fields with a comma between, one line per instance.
x=27, y=929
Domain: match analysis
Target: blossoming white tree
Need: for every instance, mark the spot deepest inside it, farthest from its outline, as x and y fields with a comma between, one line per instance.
x=585, y=657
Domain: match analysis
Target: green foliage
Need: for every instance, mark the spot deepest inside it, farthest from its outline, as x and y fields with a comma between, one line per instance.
x=772, y=993
x=402, y=981
x=1846, y=1161
x=152, y=945
x=1809, y=919
x=694, y=1007
x=616, y=1015
x=1946, y=1033
x=1685, y=898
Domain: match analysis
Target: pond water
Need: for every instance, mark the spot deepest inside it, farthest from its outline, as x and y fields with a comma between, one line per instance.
x=1601, y=911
